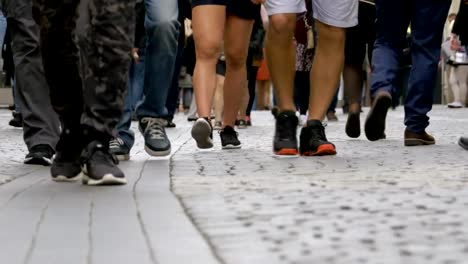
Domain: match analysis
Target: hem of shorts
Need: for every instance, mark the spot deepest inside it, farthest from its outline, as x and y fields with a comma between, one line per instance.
x=286, y=10
x=337, y=23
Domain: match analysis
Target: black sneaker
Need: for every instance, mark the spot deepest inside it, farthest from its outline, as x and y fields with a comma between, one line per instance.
x=242, y=124
x=314, y=141
x=17, y=120
x=353, y=124
x=100, y=167
x=285, y=140
x=156, y=141
x=375, y=122
x=202, y=132
x=40, y=155
x=118, y=148
x=229, y=138
x=66, y=166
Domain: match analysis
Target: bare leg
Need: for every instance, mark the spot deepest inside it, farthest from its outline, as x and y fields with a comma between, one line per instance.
x=219, y=98
x=352, y=76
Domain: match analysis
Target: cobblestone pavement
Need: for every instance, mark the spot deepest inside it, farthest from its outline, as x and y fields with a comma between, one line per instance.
x=373, y=203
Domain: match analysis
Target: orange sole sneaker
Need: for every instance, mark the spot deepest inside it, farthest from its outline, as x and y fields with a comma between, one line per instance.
x=286, y=152
x=322, y=150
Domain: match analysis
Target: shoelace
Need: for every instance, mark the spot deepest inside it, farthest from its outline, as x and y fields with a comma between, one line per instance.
x=116, y=143
x=154, y=127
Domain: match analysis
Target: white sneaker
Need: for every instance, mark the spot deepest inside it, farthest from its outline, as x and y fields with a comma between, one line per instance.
x=455, y=105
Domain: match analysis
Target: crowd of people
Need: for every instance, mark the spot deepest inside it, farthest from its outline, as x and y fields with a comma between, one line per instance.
x=81, y=71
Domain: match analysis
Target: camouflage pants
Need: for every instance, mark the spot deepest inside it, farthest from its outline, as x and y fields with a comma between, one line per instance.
x=86, y=48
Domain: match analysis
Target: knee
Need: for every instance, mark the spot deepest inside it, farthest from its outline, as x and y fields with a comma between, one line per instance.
x=331, y=34
x=282, y=24
x=235, y=59
x=208, y=50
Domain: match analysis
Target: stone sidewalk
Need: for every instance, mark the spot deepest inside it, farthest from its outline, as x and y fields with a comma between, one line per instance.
x=372, y=203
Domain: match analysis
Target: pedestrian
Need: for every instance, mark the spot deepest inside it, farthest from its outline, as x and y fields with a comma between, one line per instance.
x=215, y=21
x=41, y=126
x=87, y=82
x=426, y=19
x=331, y=20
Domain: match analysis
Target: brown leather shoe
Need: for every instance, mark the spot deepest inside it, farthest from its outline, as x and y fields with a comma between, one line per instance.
x=413, y=139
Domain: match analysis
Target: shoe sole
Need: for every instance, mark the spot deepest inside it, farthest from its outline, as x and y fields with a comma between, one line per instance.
x=412, y=142
x=201, y=132
x=157, y=153
x=460, y=143
x=123, y=157
x=62, y=178
x=375, y=122
x=107, y=179
x=322, y=150
x=230, y=146
x=353, y=125
x=38, y=161
x=286, y=152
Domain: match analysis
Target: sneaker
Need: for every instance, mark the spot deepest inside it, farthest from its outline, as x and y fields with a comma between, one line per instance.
x=66, y=166
x=17, y=120
x=331, y=116
x=242, y=124
x=353, y=124
x=418, y=139
x=40, y=155
x=455, y=105
x=314, y=142
x=100, y=167
x=375, y=122
x=229, y=138
x=218, y=125
x=248, y=121
x=156, y=141
x=170, y=124
x=285, y=140
x=275, y=111
x=192, y=118
x=202, y=132
x=463, y=142
x=118, y=148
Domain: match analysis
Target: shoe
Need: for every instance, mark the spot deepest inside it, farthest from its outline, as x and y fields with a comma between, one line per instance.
x=353, y=124
x=285, y=140
x=455, y=105
x=192, y=118
x=463, y=142
x=248, y=121
x=100, y=167
x=218, y=125
x=156, y=141
x=375, y=122
x=66, y=166
x=331, y=116
x=17, y=120
x=40, y=155
x=275, y=111
x=314, y=142
x=229, y=138
x=170, y=124
x=118, y=148
x=242, y=124
x=202, y=132
x=418, y=139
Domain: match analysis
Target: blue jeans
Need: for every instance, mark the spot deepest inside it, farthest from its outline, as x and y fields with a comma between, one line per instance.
x=173, y=95
x=427, y=18
x=3, y=26
x=132, y=98
x=162, y=31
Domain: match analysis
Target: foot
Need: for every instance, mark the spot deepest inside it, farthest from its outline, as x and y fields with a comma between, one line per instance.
x=314, y=141
x=242, y=124
x=229, y=138
x=17, y=120
x=418, y=139
x=218, y=125
x=170, y=124
x=191, y=118
x=40, y=155
x=118, y=148
x=66, y=166
x=463, y=142
x=156, y=141
x=100, y=167
x=248, y=121
x=331, y=116
x=285, y=140
x=455, y=105
x=375, y=122
x=353, y=124
x=202, y=132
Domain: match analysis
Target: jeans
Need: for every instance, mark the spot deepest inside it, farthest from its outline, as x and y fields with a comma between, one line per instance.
x=3, y=25
x=427, y=18
x=132, y=98
x=173, y=95
x=162, y=30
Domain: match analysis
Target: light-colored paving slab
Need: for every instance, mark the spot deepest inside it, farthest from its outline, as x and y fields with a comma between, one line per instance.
x=372, y=203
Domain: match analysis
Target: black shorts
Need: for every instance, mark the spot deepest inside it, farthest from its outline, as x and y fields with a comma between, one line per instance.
x=240, y=8
x=361, y=38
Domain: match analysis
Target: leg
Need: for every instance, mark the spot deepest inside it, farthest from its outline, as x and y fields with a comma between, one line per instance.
x=238, y=31
x=174, y=92
x=252, y=86
x=219, y=99
x=41, y=125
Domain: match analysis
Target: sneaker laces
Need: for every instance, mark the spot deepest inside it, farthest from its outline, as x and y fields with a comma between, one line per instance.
x=116, y=143
x=99, y=154
x=318, y=132
x=229, y=133
x=154, y=127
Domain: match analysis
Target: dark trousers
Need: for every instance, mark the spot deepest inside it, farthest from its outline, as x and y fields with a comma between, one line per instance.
x=427, y=18
x=41, y=125
x=173, y=95
x=87, y=84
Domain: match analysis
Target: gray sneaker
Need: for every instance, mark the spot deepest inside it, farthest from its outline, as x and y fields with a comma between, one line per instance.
x=156, y=141
x=202, y=132
x=118, y=148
